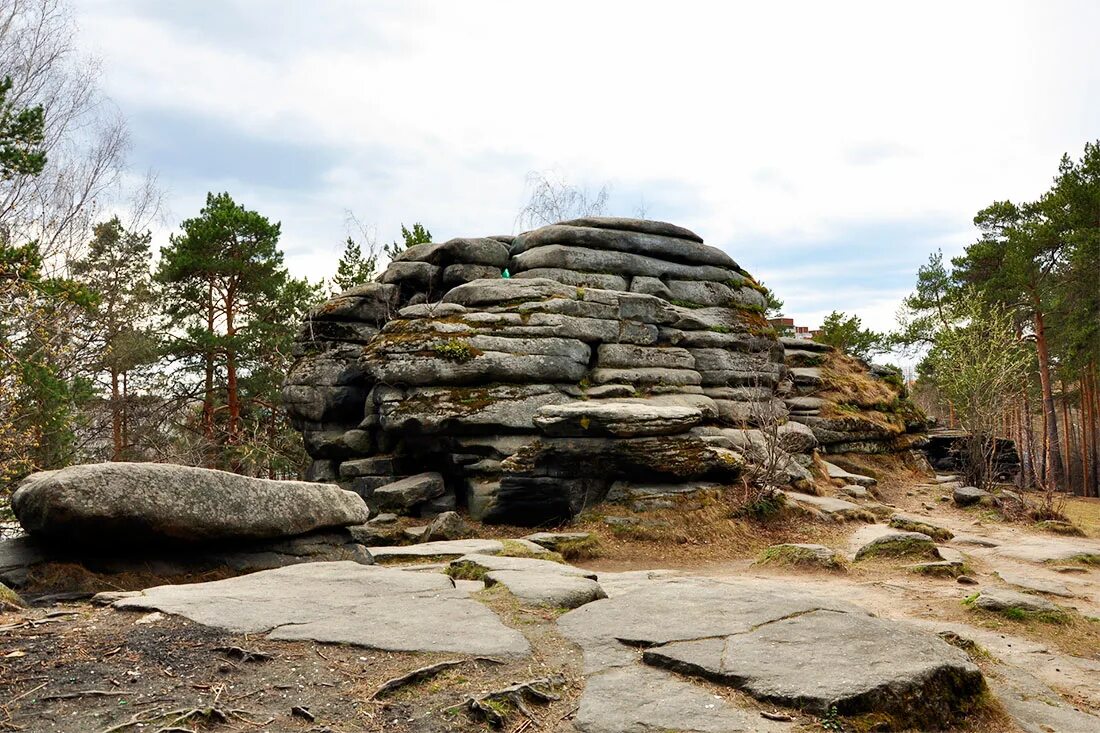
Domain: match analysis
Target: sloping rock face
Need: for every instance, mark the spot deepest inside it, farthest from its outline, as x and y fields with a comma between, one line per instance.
x=850, y=407
x=617, y=350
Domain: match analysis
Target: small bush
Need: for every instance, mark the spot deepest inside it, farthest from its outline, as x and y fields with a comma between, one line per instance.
x=455, y=350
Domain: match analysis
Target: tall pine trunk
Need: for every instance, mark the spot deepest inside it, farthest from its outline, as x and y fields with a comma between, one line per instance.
x=232, y=396
x=208, y=378
x=1051, y=451
x=116, y=417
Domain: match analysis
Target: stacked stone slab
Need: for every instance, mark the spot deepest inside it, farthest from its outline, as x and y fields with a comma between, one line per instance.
x=445, y=366
x=892, y=424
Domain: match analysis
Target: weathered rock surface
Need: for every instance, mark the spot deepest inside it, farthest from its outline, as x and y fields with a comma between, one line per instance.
x=618, y=419
x=969, y=495
x=1034, y=584
x=824, y=659
x=449, y=548
x=112, y=503
x=404, y=495
x=551, y=589
x=1002, y=599
x=341, y=603
x=827, y=505
x=899, y=544
x=836, y=472
x=475, y=564
x=760, y=637
x=801, y=554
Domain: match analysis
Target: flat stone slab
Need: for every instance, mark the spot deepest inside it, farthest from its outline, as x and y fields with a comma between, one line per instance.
x=639, y=699
x=836, y=472
x=827, y=505
x=1051, y=549
x=554, y=590
x=341, y=603
x=490, y=563
x=554, y=540
x=1037, y=585
x=824, y=659
x=659, y=609
x=1002, y=599
x=448, y=548
x=617, y=419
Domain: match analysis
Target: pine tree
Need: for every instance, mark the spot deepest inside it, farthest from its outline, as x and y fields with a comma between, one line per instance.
x=353, y=268
x=223, y=274
x=417, y=235
x=115, y=269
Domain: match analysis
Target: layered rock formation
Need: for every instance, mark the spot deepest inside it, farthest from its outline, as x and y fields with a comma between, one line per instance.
x=618, y=350
x=850, y=407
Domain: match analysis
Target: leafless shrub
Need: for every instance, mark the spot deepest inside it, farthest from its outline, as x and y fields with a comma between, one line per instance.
x=553, y=199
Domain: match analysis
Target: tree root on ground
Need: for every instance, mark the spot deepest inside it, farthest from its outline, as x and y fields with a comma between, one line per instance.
x=495, y=706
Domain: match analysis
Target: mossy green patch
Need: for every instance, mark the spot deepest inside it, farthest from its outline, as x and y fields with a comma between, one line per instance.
x=456, y=350
x=912, y=525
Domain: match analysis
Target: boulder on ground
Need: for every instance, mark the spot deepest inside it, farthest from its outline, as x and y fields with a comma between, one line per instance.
x=969, y=495
x=446, y=526
x=899, y=544
x=113, y=503
x=802, y=555
x=404, y=495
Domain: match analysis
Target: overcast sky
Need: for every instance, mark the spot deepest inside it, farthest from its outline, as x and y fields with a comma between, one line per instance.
x=829, y=147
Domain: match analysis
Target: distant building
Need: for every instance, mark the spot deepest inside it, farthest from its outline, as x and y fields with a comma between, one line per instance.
x=787, y=327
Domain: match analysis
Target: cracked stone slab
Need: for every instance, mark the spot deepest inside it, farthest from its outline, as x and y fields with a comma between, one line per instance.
x=663, y=609
x=823, y=659
x=341, y=603
x=638, y=699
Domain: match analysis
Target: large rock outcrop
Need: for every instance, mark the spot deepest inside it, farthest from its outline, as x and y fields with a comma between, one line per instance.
x=617, y=350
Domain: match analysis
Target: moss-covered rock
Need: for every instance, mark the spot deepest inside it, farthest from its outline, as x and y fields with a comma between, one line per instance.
x=899, y=544
x=802, y=555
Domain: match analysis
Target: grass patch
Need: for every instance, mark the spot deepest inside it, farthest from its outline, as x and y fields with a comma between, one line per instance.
x=456, y=350
x=793, y=555
x=579, y=549
x=687, y=304
x=936, y=533
x=515, y=548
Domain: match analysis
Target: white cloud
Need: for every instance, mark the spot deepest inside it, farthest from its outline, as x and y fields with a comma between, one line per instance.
x=788, y=122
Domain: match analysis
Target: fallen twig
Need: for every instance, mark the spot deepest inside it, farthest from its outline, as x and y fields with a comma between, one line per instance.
x=417, y=675
x=81, y=693
x=782, y=717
